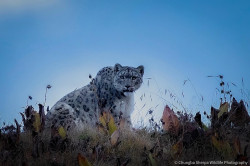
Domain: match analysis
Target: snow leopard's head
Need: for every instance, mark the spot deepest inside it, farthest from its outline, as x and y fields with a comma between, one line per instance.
x=127, y=79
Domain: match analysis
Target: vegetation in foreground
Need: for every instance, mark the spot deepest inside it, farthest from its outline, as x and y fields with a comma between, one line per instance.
x=180, y=139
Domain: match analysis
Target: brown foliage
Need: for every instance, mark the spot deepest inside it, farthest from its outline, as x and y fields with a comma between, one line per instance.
x=184, y=138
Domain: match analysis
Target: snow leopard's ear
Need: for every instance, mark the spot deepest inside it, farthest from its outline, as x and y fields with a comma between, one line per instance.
x=141, y=69
x=117, y=67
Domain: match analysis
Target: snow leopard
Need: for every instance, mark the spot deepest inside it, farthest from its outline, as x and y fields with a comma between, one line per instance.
x=111, y=90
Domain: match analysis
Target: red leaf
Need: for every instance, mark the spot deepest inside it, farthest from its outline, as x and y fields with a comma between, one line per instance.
x=82, y=160
x=170, y=121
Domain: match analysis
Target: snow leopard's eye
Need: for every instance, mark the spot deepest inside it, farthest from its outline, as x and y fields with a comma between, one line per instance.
x=133, y=77
x=121, y=77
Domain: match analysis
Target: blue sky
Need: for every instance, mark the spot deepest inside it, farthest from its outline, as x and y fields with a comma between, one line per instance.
x=61, y=42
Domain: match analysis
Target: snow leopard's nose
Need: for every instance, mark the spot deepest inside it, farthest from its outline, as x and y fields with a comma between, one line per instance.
x=127, y=86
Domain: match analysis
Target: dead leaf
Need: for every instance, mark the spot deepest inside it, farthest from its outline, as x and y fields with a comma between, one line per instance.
x=243, y=157
x=114, y=137
x=82, y=160
x=238, y=113
x=42, y=116
x=239, y=155
x=37, y=122
x=170, y=121
x=17, y=130
x=223, y=108
x=107, y=120
x=111, y=125
x=103, y=119
x=122, y=123
x=214, y=117
x=28, y=111
x=152, y=160
x=177, y=148
x=237, y=146
x=62, y=132
x=102, y=129
x=197, y=118
x=222, y=146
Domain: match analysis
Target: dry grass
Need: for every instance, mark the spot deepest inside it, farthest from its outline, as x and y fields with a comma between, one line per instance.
x=228, y=138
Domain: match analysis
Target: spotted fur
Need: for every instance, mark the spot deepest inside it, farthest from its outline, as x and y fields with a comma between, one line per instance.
x=111, y=90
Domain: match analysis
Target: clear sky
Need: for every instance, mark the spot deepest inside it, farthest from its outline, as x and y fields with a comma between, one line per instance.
x=61, y=42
